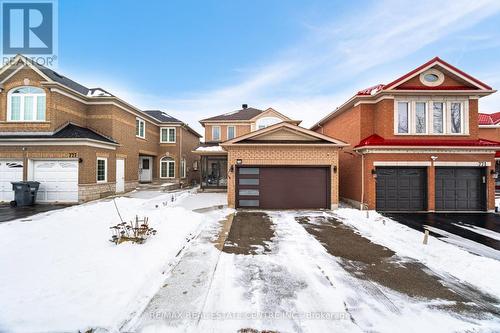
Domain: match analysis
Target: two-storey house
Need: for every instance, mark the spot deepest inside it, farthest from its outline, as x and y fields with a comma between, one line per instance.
x=489, y=128
x=265, y=160
x=83, y=143
x=416, y=144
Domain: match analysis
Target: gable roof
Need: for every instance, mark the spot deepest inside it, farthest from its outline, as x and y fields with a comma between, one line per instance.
x=242, y=114
x=489, y=119
x=373, y=92
x=378, y=141
x=306, y=136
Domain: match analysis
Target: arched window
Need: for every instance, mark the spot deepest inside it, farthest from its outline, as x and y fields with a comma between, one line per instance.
x=167, y=167
x=26, y=104
x=267, y=121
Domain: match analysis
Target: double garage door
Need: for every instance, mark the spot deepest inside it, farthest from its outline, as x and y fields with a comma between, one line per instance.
x=283, y=187
x=405, y=189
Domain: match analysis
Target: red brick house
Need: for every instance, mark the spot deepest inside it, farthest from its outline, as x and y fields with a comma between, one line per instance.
x=416, y=143
x=489, y=128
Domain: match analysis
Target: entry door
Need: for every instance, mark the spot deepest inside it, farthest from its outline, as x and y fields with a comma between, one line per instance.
x=145, y=169
x=401, y=189
x=10, y=171
x=462, y=189
x=120, y=175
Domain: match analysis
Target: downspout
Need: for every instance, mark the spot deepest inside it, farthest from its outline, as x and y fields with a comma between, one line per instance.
x=362, y=181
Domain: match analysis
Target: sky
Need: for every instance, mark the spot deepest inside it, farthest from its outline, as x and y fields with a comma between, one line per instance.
x=196, y=59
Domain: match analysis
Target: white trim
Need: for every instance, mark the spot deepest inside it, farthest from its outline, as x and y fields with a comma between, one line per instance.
x=220, y=136
x=490, y=126
x=168, y=160
x=402, y=163
x=105, y=180
x=57, y=142
x=472, y=164
x=12, y=74
x=140, y=120
x=435, y=72
x=381, y=98
x=22, y=110
x=168, y=134
x=183, y=168
x=415, y=150
x=234, y=132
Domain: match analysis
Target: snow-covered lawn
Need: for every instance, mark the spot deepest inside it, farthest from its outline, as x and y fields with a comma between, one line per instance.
x=480, y=271
x=59, y=272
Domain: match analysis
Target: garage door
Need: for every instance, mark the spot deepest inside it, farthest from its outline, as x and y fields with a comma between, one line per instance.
x=58, y=180
x=460, y=189
x=283, y=187
x=10, y=170
x=401, y=189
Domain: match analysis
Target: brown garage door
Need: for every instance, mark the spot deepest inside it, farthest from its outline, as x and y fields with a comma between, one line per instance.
x=283, y=187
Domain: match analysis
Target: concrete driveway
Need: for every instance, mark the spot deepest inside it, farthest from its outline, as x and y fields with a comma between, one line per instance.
x=305, y=272
x=8, y=213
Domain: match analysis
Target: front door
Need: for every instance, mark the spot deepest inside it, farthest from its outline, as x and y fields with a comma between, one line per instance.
x=120, y=175
x=145, y=169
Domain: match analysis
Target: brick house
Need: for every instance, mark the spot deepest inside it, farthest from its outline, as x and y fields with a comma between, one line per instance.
x=265, y=160
x=489, y=128
x=416, y=143
x=81, y=143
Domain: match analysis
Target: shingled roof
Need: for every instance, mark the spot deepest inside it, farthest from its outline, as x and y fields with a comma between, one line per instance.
x=162, y=116
x=245, y=113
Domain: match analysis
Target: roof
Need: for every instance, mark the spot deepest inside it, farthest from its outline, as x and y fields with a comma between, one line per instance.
x=377, y=140
x=70, y=131
x=243, y=114
x=489, y=119
x=162, y=116
x=373, y=91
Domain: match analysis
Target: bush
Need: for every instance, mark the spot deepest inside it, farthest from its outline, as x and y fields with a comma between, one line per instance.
x=137, y=231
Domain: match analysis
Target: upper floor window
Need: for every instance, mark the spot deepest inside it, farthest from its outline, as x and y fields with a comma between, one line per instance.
x=26, y=104
x=432, y=117
x=216, y=133
x=231, y=132
x=266, y=122
x=140, y=128
x=167, y=135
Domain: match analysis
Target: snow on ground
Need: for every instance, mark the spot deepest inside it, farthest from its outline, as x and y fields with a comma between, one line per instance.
x=437, y=254
x=478, y=230
x=60, y=272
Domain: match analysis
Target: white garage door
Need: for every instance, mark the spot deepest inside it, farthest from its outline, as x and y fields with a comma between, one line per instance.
x=10, y=171
x=58, y=180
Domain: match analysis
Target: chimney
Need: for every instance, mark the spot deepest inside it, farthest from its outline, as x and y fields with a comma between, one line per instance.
x=244, y=106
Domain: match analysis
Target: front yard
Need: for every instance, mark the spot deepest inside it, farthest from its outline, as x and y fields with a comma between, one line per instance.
x=282, y=270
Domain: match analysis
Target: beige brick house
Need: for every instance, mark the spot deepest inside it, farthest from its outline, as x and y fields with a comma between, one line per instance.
x=81, y=143
x=265, y=160
x=416, y=144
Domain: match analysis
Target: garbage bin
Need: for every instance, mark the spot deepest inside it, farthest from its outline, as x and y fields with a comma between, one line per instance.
x=24, y=193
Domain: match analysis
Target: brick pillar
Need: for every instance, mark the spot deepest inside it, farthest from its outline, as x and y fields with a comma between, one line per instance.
x=431, y=188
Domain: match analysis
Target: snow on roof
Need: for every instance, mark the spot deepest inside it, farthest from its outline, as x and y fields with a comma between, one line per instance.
x=211, y=149
x=489, y=119
x=98, y=92
x=371, y=90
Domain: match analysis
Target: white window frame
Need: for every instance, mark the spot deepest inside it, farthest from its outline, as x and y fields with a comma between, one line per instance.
x=21, y=105
x=234, y=131
x=429, y=123
x=183, y=168
x=140, y=120
x=105, y=170
x=213, y=136
x=168, y=136
x=167, y=160
x=266, y=122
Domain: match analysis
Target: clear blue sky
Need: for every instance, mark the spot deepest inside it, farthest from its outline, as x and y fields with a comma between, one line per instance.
x=194, y=59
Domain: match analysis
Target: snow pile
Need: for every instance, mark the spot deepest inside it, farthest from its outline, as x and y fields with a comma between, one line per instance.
x=60, y=272
x=211, y=149
x=437, y=255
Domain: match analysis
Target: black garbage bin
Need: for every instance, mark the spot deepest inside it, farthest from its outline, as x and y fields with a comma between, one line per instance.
x=24, y=193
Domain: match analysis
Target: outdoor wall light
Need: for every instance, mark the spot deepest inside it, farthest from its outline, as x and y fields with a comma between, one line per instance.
x=231, y=169
x=80, y=160
x=494, y=173
x=239, y=161
x=374, y=173
x=334, y=169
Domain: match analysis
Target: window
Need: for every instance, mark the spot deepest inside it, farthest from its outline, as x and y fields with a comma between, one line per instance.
x=438, y=117
x=26, y=104
x=216, y=133
x=167, y=134
x=231, y=132
x=403, y=117
x=266, y=122
x=432, y=78
x=183, y=168
x=140, y=128
x=420, y=117
x=167, y=167
x=102, y=170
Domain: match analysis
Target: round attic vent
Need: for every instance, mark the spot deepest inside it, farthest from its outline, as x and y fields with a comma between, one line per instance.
x=432, y=78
